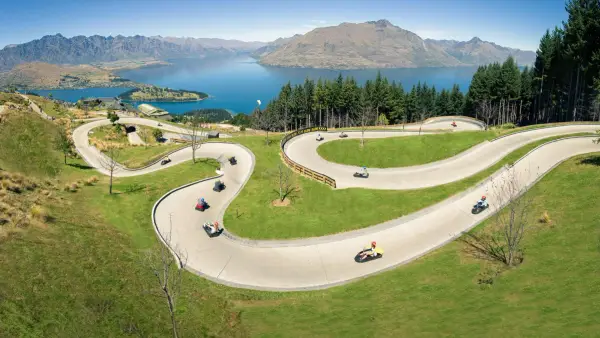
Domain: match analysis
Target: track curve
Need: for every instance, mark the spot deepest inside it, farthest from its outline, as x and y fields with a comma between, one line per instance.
x=323, y=262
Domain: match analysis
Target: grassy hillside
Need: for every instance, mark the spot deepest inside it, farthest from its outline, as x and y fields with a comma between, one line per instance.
x=554, y=293
x=78, y=271
x=71, y=254
x=27, y=144
x=45, y=75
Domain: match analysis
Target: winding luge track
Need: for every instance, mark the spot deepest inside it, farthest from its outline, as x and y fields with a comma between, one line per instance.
x=323, y=262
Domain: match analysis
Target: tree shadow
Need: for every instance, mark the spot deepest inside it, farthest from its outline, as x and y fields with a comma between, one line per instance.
x=592, y=160
x=80, y=166
x=289, y=194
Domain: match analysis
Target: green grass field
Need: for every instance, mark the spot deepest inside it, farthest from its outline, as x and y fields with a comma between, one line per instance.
x=401, y=151
x=554, y=293
x=317, y=210
x=134, y=156
x=409, y=151
x=80, y=276
x=140, y=156
x=86, y=279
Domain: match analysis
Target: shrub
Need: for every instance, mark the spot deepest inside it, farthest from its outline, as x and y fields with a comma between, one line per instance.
x=72, y=187
x=39, y=213
x=242, y=128
x=91, y=181
x=545, y=218
x=11, y=186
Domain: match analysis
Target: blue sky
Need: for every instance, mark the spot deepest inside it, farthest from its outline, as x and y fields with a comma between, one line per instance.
x=512, y=23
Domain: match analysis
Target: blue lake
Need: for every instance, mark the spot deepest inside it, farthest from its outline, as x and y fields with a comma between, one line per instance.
x=236, y=83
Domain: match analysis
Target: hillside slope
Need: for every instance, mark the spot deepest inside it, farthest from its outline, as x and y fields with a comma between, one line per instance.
x=380, y=44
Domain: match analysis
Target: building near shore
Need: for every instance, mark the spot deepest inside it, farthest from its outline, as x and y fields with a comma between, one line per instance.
x=152, y=111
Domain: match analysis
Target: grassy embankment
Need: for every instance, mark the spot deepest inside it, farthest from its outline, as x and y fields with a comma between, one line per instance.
x=317, y=210
x=80, y=275
x=132, y=156
x=73, y=269
x=408, y=151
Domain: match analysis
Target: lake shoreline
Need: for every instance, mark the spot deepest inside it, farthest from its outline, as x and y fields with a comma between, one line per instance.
x=236, y=83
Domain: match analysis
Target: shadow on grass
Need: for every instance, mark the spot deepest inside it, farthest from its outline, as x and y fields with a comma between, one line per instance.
x=80, y=166
x=592, y=160
x=209, y=161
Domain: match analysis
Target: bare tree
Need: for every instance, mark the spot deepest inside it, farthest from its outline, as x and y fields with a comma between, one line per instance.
x=110, y=163
x=266, y=120
x=423, y=115
x=366, y=117
x=195, y=124
x=284, y=180
x=168, y=272
x=485, y=106
x=503, y=243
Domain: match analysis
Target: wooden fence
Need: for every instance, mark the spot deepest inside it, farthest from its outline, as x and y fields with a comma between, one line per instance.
x=299, y=168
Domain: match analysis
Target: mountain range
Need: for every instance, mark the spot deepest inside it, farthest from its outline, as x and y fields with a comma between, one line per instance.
x=380, y=44
x=372, y=44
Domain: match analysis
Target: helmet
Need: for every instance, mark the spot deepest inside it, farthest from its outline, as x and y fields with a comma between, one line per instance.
x=373, y=243
x=483, y=198
x=202, y=199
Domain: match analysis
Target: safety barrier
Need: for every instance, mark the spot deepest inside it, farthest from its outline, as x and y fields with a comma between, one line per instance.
x=299, y=168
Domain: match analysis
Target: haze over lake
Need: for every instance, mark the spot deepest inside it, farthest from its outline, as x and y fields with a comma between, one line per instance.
x=236, y=83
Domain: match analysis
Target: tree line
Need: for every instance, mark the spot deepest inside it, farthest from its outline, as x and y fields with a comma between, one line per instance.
x=344, y=103
x=563, y=85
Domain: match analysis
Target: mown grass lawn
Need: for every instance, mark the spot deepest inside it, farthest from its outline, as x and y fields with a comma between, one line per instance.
x=401, y=151
x=554, y=293
x=409, y=151
x=317, y=210
x=139, y=156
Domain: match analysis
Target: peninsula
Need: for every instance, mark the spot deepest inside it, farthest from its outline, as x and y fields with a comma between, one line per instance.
x=159, y=94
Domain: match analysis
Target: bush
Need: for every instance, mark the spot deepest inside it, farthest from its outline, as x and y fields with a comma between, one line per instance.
x=157, y=133
x=545, y=218
x=91, y=181
x=242, y=128
x=72, y=187
x=11, y=186
x=39, y=213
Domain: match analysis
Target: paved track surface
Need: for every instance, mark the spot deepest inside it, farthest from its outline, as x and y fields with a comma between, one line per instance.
x=323, y=262
x=303, y=150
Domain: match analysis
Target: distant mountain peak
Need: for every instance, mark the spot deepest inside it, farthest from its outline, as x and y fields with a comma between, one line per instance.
x=381, y=23
x=362, y=45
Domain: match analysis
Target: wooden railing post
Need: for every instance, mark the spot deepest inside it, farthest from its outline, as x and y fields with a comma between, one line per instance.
x=299, y=168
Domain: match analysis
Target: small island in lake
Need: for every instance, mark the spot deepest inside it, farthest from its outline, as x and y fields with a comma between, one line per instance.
x=158, y=94
x=212, y=115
